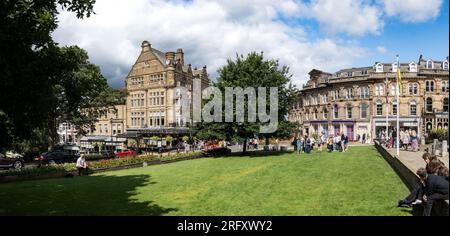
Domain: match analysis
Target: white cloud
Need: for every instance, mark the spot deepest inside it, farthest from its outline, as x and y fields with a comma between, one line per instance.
x=381, y=50
x=354, y=17
x=412, y=10
x=208, y=31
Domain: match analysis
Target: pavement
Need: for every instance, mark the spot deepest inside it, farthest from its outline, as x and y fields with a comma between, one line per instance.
x=413, y=160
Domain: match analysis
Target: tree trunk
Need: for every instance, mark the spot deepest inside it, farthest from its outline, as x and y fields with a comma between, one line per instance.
x=244, y=149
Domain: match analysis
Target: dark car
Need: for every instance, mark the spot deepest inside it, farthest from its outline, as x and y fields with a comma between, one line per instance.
x=11, y=162
x=56, y=157
x=107, y=154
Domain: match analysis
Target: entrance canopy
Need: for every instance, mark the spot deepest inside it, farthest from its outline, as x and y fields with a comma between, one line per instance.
x=145, y=132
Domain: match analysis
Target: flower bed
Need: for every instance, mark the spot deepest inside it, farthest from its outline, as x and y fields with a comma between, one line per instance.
x=102, y=165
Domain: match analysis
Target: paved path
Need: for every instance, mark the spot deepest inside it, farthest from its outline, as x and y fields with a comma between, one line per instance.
x=413, y=160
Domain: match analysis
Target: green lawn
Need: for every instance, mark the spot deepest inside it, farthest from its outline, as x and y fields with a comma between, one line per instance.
x=358, y=182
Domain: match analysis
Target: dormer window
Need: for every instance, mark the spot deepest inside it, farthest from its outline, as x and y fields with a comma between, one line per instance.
x=349, y=74
x=379, y=67
x=412, y=67
x=394, y=67
x=430, y=64
x=445, y=65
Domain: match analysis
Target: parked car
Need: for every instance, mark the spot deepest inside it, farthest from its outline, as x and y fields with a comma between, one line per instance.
x=15, y=162
x=137, y=150
x=108, y=154
x=56, y=157
x=126, y=153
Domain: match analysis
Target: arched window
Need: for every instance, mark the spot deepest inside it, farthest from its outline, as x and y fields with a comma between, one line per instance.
x=413, y=108
x=379, y=108
x=394, y=67
x=393, y=89
x=413, y=88
x=429, y=86
x=394, y=107
x=364, y=92
x=445, y=86
x=379, y=89
x=445, y=108
x=336, y=111
x=445, y=65
x=325, y=113
x=363, y=109
x=429, y=105
x=430, y=64
x=349, y=111
x=412, y=67
x=379, y=67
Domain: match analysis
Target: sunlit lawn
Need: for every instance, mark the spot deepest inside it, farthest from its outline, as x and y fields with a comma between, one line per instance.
x=358, y=182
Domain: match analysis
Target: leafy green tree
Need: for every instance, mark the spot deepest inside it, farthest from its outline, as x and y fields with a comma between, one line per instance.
x=252, y=71
x=169, y=140
x=43, y=84
x=154, y=138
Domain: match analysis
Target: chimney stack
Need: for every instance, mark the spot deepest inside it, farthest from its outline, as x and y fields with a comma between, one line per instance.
x=180, y=56
x=146, y=46
x=170, y=57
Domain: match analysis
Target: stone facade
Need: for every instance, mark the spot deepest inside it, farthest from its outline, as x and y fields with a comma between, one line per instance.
x=356, y=101
x=152, y=101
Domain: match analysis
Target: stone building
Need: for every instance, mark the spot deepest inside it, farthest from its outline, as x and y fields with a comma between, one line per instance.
x=153, y=103
x=358, y=101
x=106, y=132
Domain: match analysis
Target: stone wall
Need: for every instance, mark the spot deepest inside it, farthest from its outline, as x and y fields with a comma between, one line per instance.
x=410, y=179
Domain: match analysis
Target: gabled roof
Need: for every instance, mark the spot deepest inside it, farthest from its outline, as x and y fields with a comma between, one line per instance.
x=145, y=56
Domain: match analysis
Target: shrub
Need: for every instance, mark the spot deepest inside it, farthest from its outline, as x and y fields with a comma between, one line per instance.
x=94, y=157
x=440, y=134
x=105, y=163
x=34, y=172
x=217, y=152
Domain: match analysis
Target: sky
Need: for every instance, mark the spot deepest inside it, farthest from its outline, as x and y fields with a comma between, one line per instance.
x=328, y=35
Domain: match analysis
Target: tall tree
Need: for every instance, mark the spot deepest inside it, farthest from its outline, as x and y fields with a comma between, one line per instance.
x=253, y=71
x=42, y=84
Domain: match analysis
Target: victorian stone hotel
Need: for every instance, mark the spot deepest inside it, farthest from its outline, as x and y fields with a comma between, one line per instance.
x=152, y=105
x=358, y=101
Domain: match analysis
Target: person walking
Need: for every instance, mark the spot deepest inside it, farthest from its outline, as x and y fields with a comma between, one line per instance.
x=296, y=143
x=395, y=137
x=322, y=141
x=363, y=139
x=81, y=165
x=414, y=141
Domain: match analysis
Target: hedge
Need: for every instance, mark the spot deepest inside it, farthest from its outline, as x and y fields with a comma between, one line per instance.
x=102, y=164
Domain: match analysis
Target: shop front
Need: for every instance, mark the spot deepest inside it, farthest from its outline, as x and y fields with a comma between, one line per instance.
x=406, y=123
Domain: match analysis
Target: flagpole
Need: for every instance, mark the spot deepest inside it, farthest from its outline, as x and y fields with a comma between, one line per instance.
x=398, y=110
x=387, y=108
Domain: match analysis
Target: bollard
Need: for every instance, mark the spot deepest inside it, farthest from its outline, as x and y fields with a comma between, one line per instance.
x=434, y=147
x=444, y=148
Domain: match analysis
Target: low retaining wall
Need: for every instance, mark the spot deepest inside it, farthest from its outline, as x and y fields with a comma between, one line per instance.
x=61, y=174
x=410, y=179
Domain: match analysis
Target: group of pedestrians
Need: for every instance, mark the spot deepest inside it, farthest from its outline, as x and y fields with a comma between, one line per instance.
x=407, y=139
x=305, y=144
x=433, y=185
